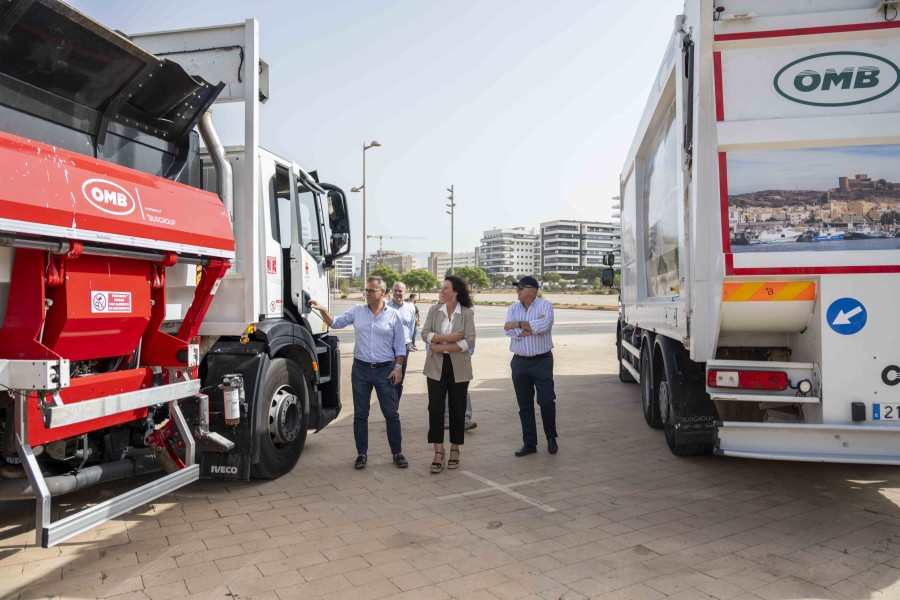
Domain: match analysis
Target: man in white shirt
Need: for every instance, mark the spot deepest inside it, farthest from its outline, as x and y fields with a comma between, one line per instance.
x=528, y=325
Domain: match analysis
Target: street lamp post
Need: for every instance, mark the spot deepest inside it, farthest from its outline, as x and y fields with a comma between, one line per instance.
x=450, y=212
x=362, y=188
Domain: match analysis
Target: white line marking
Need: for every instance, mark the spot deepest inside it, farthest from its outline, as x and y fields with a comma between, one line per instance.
x=506, y=489
x=491, y=489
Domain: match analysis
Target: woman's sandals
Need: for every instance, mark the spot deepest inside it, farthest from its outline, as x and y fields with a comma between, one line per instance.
x=438, y=466
x=453, y=463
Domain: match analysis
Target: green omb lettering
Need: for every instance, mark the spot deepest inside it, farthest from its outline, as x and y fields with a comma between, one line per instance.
x=807, y=81
x=843, y=79
x=866, y=77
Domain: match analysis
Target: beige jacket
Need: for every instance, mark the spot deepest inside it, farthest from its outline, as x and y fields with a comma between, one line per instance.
x=462, y=361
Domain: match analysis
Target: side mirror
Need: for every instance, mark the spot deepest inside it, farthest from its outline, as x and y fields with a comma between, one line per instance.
x=340, y=245
x=338, y=222
x=607, y=276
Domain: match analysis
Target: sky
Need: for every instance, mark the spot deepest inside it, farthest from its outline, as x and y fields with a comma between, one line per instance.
x=811, y=168
x=527, y=108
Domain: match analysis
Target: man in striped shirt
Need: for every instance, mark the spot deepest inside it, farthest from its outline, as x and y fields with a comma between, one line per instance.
x=528, y=325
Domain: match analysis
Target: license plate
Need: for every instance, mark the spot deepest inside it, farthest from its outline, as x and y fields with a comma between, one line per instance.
x=886, y=412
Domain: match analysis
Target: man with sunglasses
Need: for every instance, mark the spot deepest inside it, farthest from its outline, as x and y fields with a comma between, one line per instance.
x=379, y=351
x=528, y=325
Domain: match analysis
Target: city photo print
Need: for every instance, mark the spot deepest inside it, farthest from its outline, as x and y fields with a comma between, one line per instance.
x=845, y=198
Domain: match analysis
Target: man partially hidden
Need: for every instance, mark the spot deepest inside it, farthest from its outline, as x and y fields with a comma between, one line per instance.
x=407, y=312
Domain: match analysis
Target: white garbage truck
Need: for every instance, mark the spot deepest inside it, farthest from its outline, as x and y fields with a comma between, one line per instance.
x=760, y=206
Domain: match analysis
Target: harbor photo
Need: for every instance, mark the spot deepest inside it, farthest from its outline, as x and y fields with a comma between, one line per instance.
x=831, y=199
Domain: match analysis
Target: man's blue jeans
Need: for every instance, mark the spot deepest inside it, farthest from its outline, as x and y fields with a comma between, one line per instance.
x=364, y=377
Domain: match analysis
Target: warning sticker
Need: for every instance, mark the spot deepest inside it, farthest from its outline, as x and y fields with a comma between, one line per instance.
x=271, y=265
x=110, y=302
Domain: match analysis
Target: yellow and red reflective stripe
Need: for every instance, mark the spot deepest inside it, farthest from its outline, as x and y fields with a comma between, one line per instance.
x=761, y=291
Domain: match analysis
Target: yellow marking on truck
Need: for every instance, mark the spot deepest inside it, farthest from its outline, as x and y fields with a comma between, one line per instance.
x=761, y=291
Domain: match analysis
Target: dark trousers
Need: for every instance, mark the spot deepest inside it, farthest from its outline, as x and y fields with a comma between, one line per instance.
x=530, y=375
x=446, y=393
x=363, y=378
x=399, y=386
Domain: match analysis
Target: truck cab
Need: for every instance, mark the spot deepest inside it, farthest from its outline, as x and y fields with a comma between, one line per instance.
x=289, y=228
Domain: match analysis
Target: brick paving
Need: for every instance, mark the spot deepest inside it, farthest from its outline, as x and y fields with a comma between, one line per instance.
x=628, y=520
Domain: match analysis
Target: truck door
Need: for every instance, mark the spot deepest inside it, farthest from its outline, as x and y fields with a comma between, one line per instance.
x=308, y=277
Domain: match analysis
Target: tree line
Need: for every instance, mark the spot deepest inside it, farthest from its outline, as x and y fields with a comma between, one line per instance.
x=423, y=280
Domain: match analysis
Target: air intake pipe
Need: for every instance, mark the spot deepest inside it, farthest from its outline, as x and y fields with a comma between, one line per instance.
x=224, y=176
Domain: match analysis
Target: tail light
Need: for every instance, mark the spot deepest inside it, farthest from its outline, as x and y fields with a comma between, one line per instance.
x=748, y=380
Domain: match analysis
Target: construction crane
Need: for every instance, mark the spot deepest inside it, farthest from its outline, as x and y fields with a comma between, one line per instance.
x=392, y=237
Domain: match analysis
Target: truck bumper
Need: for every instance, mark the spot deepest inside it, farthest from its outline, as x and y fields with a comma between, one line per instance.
x=811, y=443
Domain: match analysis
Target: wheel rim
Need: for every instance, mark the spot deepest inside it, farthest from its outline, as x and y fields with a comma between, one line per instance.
x=646, y=384
x=664, y=402
x=285, y=420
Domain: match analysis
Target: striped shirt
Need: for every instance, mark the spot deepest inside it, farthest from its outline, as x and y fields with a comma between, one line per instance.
x=378, y=339
x=540, y=316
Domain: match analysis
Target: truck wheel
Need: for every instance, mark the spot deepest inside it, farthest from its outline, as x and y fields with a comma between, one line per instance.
x=285, y=402
x=648, y=392
x=624, y=375
x=667, y=417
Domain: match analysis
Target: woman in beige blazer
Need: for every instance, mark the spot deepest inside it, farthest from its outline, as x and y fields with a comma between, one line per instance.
x=449, y=331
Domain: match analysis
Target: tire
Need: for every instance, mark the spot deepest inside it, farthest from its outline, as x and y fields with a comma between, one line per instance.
x=624, y=375
x=667, y=416
x=285, y=400
x=649, y=402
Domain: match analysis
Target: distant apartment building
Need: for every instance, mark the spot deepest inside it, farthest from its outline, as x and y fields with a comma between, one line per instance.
x=510, y=252
x=402, y=263
x=567, y=247
x=439, y=262
x=617, y=221
x=433, y=260
x=345, y=267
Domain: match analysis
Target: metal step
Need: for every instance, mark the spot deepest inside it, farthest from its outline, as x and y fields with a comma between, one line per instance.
x=49, y=534
x=810, y=442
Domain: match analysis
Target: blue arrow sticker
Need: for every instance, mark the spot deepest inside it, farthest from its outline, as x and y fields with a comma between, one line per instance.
x=846, y=316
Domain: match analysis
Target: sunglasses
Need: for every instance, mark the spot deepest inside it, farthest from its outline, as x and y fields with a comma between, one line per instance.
x=369, y=291
x=522, y=287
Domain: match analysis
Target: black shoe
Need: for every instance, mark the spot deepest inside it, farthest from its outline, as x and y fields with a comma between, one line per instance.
x=400, y=461
x=524, y=450
x=360, y=462
x=552, y=446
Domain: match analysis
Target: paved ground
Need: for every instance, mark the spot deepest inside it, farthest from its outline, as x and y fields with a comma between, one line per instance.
x=613, y=515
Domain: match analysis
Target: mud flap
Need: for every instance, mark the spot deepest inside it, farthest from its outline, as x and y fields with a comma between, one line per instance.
x=248, y=360
x=695, y=413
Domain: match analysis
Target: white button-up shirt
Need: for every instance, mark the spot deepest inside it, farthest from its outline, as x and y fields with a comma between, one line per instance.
x=447, y=326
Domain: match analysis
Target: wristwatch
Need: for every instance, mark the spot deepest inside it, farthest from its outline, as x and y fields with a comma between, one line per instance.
x=398, y=367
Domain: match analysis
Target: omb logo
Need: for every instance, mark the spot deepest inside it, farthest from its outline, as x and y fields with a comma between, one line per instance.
x=837, y=79
x=109, y=197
